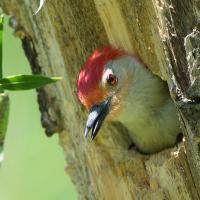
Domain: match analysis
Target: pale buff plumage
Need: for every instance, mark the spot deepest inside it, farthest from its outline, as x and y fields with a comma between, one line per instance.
x=139, y=100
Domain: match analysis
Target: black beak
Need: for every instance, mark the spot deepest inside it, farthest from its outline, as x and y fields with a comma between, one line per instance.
x=96, y=117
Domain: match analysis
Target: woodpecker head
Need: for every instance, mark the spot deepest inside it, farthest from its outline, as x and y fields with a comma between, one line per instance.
x=102, y=82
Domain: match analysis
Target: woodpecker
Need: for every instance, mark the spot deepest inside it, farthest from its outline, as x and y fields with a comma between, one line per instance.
x=116, y=85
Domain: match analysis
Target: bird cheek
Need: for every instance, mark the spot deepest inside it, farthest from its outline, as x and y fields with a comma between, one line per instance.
x=95, y=97
x=115, y=109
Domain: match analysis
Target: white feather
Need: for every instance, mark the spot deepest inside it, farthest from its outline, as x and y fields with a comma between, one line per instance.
x=40, y=6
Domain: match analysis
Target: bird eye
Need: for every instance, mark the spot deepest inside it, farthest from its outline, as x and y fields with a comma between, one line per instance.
x=112, y=79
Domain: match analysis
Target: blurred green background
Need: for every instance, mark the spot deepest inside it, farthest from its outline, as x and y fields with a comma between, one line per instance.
x=33, y=168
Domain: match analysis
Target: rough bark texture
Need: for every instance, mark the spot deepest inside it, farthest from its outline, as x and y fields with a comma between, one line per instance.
x=165, y=34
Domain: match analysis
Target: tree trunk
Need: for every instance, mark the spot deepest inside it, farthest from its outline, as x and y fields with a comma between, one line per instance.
x=165, y=35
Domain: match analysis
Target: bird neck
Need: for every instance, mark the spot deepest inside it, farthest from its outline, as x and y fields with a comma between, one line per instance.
x=143, y=96
x=144, y=105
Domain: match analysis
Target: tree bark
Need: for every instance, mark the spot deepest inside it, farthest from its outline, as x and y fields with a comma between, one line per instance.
x=165, y=35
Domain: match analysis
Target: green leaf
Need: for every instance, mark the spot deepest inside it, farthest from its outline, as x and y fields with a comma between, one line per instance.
x=25, y=82
x=4, y=113
x=1, y=43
